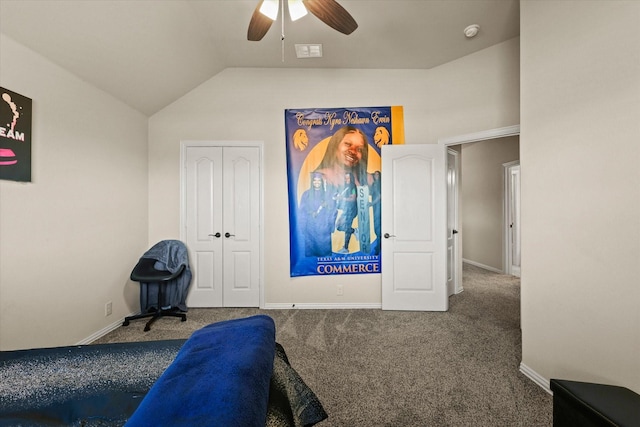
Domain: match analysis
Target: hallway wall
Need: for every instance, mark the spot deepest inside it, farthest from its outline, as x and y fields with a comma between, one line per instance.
x=482, y=209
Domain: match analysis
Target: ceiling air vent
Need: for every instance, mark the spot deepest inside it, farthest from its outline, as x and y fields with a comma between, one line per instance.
x=309, y=50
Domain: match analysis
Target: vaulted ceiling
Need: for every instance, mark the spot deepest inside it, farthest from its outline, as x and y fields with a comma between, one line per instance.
x=148, y=53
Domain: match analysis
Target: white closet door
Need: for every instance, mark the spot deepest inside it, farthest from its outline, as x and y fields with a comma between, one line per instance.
x=222, y=225
x=241, y=199
x=203, y=209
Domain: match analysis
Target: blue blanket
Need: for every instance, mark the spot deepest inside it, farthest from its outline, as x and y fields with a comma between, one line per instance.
x=170, y=255
x=220, y=377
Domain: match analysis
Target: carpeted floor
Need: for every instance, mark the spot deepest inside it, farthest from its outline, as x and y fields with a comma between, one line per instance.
x=389, y=368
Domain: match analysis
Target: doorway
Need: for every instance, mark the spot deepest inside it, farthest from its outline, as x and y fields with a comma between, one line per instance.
x=461, y=140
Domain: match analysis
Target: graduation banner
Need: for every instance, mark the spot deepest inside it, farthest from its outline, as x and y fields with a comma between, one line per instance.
x=334, y=178
x=15, y=136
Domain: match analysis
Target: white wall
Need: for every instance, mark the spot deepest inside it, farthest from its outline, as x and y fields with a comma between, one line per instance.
x=475, y=93
x=580, y=157
x=483, y=199
x=70, y=238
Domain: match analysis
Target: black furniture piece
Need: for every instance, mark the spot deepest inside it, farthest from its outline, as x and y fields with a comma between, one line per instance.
x=144, y=272
x=581, y=404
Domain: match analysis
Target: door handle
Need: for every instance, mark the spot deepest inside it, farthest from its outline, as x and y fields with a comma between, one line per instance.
x=215, y=235
x=454, y=231
x=387, y=235
x=227, y=235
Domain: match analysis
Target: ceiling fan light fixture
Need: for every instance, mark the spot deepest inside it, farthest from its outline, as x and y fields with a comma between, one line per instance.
x=269, y=8
x=296, y=9
x=328, y=11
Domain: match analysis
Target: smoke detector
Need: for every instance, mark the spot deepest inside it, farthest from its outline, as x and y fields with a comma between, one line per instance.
x=471, y=31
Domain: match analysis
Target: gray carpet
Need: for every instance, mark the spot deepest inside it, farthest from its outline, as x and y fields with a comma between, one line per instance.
x=381, y=368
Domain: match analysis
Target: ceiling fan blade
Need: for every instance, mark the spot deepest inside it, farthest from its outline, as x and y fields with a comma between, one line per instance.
x=332, y=14
x=259, y=25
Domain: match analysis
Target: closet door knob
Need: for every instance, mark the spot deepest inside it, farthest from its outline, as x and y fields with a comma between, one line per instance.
x=387, y=235
x=215, y=235
x=227, y=235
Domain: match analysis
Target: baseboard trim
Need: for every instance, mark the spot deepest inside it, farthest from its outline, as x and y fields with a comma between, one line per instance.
x=104, y=331
x=536, y=378
x=485, y=267
x=313, y=306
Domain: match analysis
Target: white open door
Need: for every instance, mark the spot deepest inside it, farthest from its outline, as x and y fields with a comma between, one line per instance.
x=512, y=218
x=453, y=240
x=414, y=228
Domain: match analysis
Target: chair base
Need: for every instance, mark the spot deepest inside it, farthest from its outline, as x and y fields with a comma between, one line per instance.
x=154, y=316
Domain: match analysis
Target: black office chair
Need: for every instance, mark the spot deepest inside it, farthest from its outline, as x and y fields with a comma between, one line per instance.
x=144, y=272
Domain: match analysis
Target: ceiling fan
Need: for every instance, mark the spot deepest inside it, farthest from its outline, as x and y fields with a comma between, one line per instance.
x=328, y=11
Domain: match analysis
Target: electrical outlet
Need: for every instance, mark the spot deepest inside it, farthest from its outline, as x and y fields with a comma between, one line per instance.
x=340, y=290
x=108, y=309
